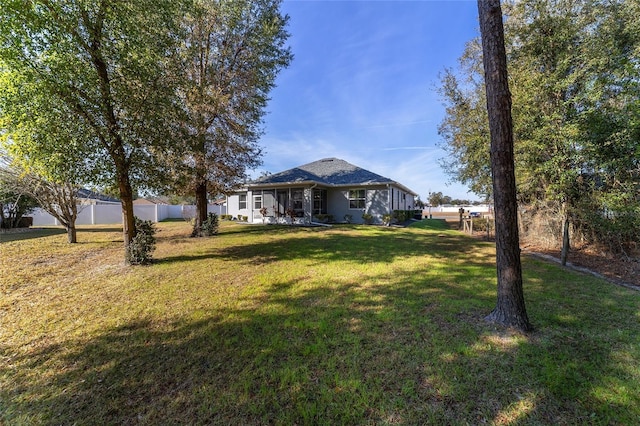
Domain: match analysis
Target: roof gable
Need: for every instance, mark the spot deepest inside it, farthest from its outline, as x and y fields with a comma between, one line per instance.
x=328, y=171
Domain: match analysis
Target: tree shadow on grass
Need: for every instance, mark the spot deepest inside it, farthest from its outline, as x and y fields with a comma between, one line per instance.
x=34, y=233
x=410, y=351
x=31, y=233
x=100, y=229
x=321, y=245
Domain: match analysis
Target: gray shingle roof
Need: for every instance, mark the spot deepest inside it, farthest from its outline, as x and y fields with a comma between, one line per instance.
x=91, y=195
x=328, y=171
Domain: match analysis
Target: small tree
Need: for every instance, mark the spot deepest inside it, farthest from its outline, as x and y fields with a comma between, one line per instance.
x=230, y=57
x=59, y=199
x=15, y=202
x=435, y=199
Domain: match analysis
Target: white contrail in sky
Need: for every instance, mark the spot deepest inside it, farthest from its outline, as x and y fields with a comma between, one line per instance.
x=398, y=148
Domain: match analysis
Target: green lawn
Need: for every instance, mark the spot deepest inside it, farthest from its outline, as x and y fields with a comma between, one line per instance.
x=287, y=325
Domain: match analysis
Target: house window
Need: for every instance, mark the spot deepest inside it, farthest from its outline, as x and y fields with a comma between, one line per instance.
x=242, y=203
x=257, y=202
x=319, y=201
x=297, y=202
x=356, y=198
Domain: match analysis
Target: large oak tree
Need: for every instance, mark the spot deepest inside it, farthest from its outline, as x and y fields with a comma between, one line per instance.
x=105, y=63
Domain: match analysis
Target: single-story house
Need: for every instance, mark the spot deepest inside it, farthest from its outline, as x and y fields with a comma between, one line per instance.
x=330, y=187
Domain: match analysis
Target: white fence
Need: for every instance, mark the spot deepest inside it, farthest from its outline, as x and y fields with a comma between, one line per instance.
x=106, y=214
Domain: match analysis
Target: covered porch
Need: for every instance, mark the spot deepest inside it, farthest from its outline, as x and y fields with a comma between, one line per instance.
x=302, y=205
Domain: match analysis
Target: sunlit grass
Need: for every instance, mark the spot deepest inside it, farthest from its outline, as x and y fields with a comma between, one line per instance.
x=288, y=325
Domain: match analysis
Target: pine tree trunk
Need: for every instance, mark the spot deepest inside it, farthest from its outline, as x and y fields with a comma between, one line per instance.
x=510, y=308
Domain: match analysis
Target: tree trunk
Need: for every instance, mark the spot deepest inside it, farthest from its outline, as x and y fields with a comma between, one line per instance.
x=71, y=234
x=564, y=253
x=510, y=309
x=201, y=208
x=126, y=199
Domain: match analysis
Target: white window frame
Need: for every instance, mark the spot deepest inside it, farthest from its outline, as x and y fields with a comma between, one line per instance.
x=357, y=199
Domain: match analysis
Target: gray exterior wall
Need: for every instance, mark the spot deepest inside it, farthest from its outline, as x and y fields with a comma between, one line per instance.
x=338, y=205
x=378, y=203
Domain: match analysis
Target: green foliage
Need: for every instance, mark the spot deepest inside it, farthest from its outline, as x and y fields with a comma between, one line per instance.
x=481, y=224
x=465, y=128
x=230, y=57
x=210, y=225
x=325, y=218
x=402, y=216
x=368, y=218
x=88, y=81
x=100, y=73
x=41, y=139
x=574, y=80
x=438, y=199
x=139, y=250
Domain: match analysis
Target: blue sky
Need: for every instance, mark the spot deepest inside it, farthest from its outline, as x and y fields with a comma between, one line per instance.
x=362, y=85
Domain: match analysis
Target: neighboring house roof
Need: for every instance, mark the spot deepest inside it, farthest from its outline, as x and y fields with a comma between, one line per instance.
x=91, y=195
x=150, y=200
x=328, y=171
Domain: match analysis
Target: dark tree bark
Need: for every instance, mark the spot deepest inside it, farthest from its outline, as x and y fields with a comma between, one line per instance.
x=126, y=200
x=201, y=208
x=564, y=253
x=510, y=309
x=72, y=235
